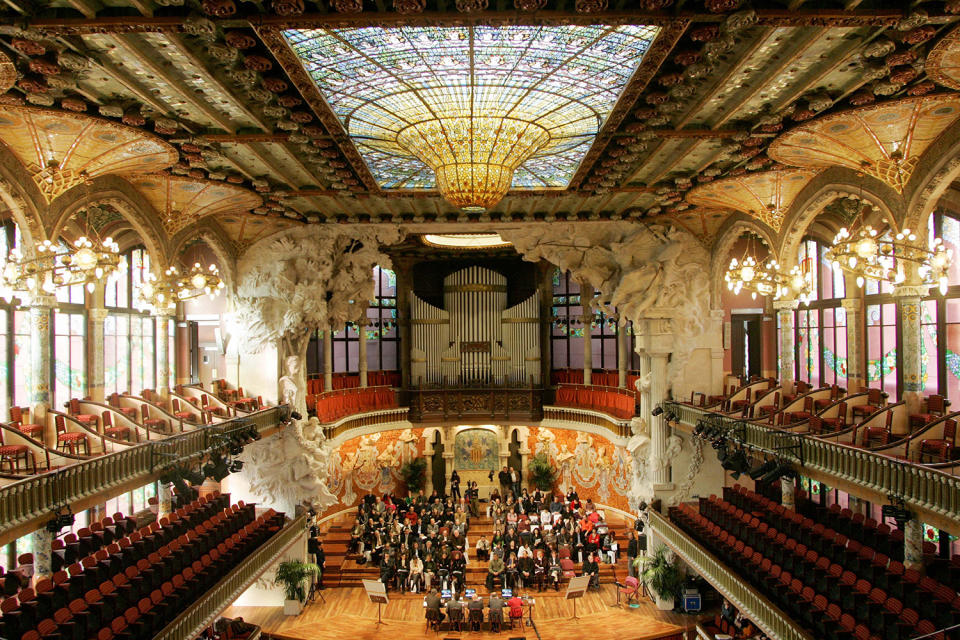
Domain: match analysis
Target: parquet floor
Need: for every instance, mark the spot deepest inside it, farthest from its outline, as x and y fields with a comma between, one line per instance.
x=348, y=615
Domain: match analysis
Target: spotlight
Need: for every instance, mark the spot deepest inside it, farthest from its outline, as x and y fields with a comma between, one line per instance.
x=762, y=470
x=61, y=521
x=699, y=429
x=656, y=411
x=737, y=463
x=671, y=417
x=236, y=466
x=779, y=471
x=295, y=415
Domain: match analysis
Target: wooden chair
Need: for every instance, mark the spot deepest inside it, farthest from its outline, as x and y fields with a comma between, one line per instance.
x=878, y=436
x=936, y=408
x=185, y=416
x=117, y=433
x=875, y=401
x=12, y=453
x=940, y=449
x=157, y=424
x=87, y=419
x=840, y=421
x=130, y=412
x=20, y=418
x=70, y=440
x=767, y=410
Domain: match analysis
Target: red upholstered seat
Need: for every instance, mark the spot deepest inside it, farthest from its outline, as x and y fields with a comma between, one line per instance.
x=874, y=403
x=20, y=418
x=83, y=418
x=936, y=408
x=941, y=448
x=70, y=440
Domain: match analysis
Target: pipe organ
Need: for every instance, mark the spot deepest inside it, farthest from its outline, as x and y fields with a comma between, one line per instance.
x=475, y=340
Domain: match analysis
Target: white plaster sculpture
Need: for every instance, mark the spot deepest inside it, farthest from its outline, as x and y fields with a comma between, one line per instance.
x=290, y=286
x=639, y=449
x=642, y=271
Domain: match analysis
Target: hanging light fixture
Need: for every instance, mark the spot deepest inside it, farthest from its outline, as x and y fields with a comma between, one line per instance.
x=163, y=293
x=866, y=252
x=766, y=278
x=87, y=262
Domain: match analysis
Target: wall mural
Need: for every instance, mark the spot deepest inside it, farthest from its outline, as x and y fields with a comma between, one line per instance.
x=476, y=450
x=594, y=465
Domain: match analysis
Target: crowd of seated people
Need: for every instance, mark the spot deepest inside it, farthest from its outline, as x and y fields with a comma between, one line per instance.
x=731, y=622
x=420, y=542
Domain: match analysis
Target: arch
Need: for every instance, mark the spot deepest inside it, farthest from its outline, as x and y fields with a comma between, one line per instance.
x=429, y=437
x=734, y=227
x=216, y=238
x=831, y=184
x=938, y=168
x=20, y=195
x=119, y=194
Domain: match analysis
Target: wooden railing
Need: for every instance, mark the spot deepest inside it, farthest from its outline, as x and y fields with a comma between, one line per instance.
x=36, y=497
x=202, y=613
x=758, y=609
x=919, y=486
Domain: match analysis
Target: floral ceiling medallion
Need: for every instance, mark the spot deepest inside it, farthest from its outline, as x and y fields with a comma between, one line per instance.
x=181, y=201
x=883, y=140
x=766, y=196
x=61, y=150
x=943, y=61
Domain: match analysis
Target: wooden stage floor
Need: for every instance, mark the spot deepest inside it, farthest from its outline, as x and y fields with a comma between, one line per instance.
x=348, y=615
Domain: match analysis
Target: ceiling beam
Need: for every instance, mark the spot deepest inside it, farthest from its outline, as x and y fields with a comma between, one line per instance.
x=767, y=17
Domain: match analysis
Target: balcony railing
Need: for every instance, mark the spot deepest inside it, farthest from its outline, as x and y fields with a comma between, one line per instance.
x=920, y=487
x=25, y=501
x=763, y=613
x=202, y=613
x=616, y=426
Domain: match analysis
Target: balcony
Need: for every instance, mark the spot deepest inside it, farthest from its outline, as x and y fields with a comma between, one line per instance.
x=473, y=404
x=211, y=604
x=26, y=503
x=932, y=492
x=767, y=616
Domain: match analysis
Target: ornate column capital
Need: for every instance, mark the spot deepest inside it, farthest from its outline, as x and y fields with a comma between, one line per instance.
x=852, y=305
x=42, y=301
x=786, y=305
x=97, y=314
x=910, y=291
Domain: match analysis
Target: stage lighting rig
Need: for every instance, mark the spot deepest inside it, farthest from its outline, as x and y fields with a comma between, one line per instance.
x=656, y=411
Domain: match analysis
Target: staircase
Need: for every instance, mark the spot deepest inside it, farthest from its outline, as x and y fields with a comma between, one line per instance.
x=343, y=571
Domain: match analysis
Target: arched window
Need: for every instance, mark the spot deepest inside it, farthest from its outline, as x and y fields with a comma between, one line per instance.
x=129, y=340
x=821, y=325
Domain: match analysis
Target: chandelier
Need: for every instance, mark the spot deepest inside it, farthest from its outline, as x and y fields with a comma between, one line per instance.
x=87, y=262
x=163, y=293
x=767, y=279
x=472, y=110
x=868, y=253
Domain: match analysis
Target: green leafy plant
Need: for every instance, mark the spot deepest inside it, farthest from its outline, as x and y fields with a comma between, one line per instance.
x=292, y=575
x=542, y=473
x=414, y=474
x=660, y=574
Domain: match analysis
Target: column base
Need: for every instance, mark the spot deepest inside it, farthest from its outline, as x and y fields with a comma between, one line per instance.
x=663, y=486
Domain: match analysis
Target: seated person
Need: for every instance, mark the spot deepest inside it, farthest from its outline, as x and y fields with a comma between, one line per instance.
x=592, y=569
x=515, y=605
x=496, y=605
x=495, y=571
x=455, y=609
x=483, y=549
x=475, y=607
x=433, y=605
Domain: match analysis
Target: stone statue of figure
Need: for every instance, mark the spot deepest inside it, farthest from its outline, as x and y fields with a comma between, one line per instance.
x=289, y=390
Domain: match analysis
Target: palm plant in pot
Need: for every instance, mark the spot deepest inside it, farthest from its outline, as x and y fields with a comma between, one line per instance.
x=541, y=472
x=414, y=474
x=292, y=576
x=660, y=571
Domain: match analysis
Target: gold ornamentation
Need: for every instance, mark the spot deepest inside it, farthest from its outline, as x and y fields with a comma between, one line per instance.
x=943, y=62
x=182, y=201
x=475, y=288
x=884, y=140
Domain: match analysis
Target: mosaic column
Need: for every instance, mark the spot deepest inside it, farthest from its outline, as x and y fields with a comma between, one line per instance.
x=659, y=431
x=788, y=493
x=856, y=378
x=362, y=345
x=95, y=366
x=624, y=340
x=587, y=350
x=328, y=359
x=913, y=545
x=41, y=351
x=785, y=309
x=164, y=500
x=42, y=554
x=164, y=378
x=908, y=300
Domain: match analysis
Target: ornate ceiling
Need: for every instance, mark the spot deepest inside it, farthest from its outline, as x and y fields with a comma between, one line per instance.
x=213, y=92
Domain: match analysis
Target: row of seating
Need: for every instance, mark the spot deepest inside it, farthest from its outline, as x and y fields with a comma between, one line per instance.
x=317, y=385
x=811, y=589
x=79, y=602
x=601, y=378
x=620, y=403
x=338, y=404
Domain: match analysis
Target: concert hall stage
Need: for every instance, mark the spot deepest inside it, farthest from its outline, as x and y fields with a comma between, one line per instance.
x=348, y=615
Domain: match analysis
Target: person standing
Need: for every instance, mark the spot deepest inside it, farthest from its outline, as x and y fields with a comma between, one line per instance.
x=633, y=550
x=455, y=485
x=504, y=478
x=515, y=482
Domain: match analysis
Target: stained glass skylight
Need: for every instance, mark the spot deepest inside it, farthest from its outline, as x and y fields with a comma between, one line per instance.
x=405, y=94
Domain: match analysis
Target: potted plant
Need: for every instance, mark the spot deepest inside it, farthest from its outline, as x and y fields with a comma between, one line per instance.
x=541, y=472
x=291, y=575
x=414, y=474
x=660, y=571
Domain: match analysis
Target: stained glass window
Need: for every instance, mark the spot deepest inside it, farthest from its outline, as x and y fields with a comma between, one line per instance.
x=23, y=375
x=117, y=289
x=142, y=369
x=835, y=346
x=116, y=354
x=69, y=363
x=808, y=346
x=385, y=82
x=881, y=342
x=566, y=323
x=929, y=362
x=381, y=330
